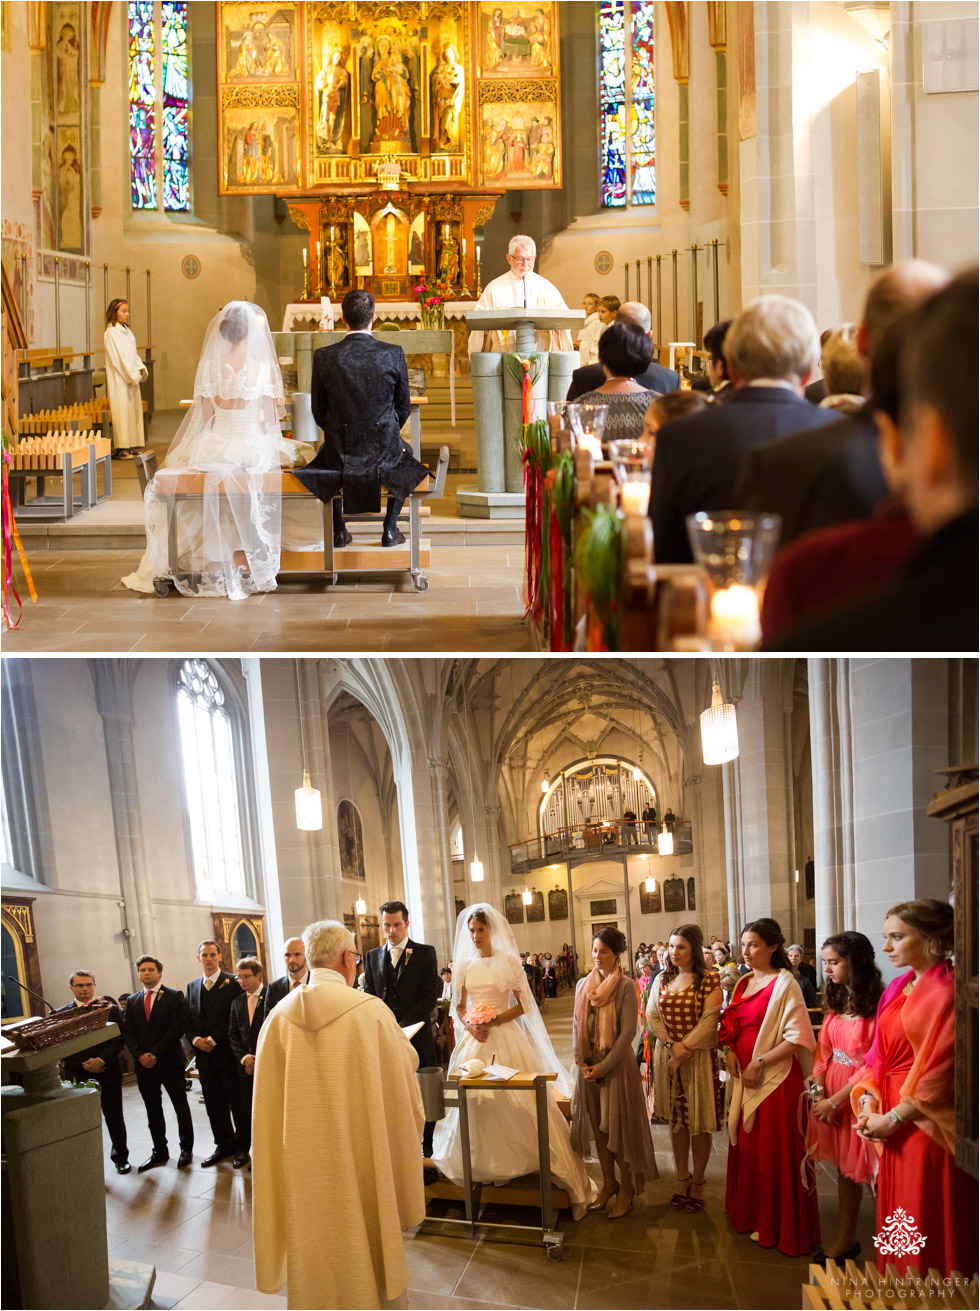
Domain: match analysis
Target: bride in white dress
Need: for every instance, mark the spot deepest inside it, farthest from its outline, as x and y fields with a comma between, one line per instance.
x=229, y=533
x=487, y=971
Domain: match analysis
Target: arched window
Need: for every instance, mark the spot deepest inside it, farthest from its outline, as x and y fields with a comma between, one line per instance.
x=456, y=841
x=212, y=782
x=627, y=170
x=158, y=103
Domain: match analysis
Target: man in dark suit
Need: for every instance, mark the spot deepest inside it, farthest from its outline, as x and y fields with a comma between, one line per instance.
x=207, y=1013
x=297, y=973
x=833, y=474
x=154, y=1020
x=655, y=378
x=247, y=1012
x=770, y=349
x=405, y=975
x=360, y=399
x=932, y=604
x=101, y=1063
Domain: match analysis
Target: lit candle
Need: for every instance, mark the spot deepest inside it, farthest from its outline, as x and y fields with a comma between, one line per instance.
x=318, y=252
x=464, y=252
x=446, y=230
x=477, y=252
x=332, y=238
x=634, y=497
x=304, y=257
x=735, y=616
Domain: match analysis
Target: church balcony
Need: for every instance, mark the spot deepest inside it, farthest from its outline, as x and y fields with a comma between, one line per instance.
x=601, y=840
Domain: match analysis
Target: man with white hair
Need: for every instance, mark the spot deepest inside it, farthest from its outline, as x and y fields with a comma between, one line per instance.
x=521, y=288
x=337, y=1117
x=771, y=349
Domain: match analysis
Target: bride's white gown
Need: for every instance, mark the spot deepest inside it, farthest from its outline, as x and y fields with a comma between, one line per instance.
x=503, y=1136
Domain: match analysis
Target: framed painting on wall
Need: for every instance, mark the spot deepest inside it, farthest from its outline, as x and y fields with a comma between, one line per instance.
x=351, y=836
x=514, y=908
x=535, y=912
x=674, y=895
x=558, y=904
x=607, y=907
x=690, y=894
x=649, y=901
x=516, y=40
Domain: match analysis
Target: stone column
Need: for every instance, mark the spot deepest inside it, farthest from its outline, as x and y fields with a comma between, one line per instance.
x=425, y=850
x=113, y=681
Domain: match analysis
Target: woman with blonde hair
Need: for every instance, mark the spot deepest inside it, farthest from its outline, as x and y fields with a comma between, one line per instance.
x=683, y=1009
x=904, y=1098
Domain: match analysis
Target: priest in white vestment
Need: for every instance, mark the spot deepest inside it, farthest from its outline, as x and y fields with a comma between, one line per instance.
x=521, y=288
x=336, y=1122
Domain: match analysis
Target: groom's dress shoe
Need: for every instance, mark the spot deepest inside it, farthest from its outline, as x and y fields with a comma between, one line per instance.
x=158, y=1158
x=392, y=537
x=184, y=1160
x=342, y=539
x=216, y=1156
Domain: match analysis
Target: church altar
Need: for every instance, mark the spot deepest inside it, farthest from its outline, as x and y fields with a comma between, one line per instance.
x=305, y=316
x=389, y=131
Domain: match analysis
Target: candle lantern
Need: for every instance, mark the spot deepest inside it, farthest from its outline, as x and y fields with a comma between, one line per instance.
x=736, y=552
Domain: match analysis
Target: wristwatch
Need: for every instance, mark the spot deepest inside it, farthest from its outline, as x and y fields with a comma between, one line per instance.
x=899, y=1119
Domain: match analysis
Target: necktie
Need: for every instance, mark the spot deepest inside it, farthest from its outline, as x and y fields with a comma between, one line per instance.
x=294, y=984
x=251, y=1007
x=208, y=982
x=147, y=1002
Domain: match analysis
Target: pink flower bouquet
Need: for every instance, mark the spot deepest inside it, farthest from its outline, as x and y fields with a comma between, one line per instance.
x=480, y=1015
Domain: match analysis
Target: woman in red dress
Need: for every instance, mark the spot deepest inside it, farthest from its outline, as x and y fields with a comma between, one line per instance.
x=769, y=1049
x=903, y=1099
x=852, y=991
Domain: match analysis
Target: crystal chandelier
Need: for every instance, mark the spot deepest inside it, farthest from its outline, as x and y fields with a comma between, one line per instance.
x=719, y=730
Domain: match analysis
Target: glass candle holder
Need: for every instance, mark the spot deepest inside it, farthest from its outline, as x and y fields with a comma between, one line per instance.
x=736, y=551
x=587, y=419
x=630, y=459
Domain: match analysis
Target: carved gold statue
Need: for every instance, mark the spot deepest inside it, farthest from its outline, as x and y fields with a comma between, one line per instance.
x=332, y=86
x=448, y=90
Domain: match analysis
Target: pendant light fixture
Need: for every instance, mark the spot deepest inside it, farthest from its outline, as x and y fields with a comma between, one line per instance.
x=665, y=842
x=650, y=885
x=309, y=810
x=545, y=784
x=476, y=864
x=360, y=905
x=476, y=870
x=526, y=896
x=719, y=729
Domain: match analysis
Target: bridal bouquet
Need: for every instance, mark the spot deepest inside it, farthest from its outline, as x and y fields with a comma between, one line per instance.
x=480, y=1015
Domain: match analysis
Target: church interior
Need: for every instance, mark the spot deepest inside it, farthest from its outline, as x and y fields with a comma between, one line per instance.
x=442, y=783
x=683, y=157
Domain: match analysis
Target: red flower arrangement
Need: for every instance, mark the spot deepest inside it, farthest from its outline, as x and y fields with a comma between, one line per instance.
x=430, y=294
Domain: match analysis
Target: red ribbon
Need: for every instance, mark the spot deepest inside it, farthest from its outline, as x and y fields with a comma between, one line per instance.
x=557, y=612
x=532, y=535
x=11, y=539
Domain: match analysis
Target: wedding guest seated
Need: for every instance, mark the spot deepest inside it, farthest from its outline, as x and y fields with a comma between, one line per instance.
x=665, y=409
x=845, y=372
x=718, y=380
x=828, y=565
x=624, y=351
x=812, y=478
x=770, y=349
x=817, y=390
x=654, y=377
x=932, y=604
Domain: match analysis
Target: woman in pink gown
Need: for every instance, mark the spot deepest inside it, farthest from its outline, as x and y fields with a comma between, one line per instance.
x=769, y=1040
x=904, y=1102
x=852, y=991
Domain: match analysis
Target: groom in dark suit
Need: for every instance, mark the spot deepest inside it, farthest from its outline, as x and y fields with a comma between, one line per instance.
x=405, y=975
x=207, y=1016
x=153, y=1019
x=359, y=396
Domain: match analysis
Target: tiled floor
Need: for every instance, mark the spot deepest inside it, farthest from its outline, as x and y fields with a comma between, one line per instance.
x=195, y=1227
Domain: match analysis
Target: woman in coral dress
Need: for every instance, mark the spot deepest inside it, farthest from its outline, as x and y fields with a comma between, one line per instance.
x=903, y=1098
x=851, y=995
x=769, y=1041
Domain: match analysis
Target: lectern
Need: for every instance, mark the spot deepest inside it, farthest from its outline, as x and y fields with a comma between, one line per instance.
x=55, y=1251
x=497, y=405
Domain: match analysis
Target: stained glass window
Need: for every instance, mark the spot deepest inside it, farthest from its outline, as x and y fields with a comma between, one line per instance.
x=626, y=93
x=175, y=189
x=158, y=102
x=142, y=106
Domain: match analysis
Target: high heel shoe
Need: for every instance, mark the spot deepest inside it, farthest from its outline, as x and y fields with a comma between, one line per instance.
x=821, y=1258
x=601, y=1202
x=679, y=1199
x=694, y=1204
x=621, y=1215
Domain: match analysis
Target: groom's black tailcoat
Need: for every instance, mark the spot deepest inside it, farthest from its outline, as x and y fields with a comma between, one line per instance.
x=359, y=396
x=410, y=992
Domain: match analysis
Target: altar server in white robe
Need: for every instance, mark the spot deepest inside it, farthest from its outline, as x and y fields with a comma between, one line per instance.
x=336, y=1122
x=124, y=370
x=519, y=289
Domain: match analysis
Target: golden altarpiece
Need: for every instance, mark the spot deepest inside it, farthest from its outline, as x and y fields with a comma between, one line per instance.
x=391, y=129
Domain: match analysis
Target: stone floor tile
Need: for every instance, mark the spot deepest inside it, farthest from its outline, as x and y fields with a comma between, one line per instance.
x=172, y=1287
x=436, y=1264
x=208, y=1266
x=223, y=1297
x=498, y=1270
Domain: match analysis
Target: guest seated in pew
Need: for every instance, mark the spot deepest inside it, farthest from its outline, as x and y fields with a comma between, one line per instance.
x=815, y=478
x=360, y=399
x=625, y=351
x=654, y=377
x=770, y=348
x=932, y=603
x=844, y=370
x=717, y=381
x=828, y=565
x=229, y=532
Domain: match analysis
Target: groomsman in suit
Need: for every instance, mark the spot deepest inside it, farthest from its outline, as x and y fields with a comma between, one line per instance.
x=297, y=973
x=207, y=1014
x=405, y=975
x=154, y=1020
x=247, y=1013
x=101, y=1063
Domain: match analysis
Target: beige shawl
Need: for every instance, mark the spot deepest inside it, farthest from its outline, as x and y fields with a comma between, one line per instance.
x=697, y=1077
x=785, y=1018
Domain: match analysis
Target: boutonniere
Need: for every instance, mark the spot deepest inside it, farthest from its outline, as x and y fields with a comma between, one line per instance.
x=222, y=984
x=408, y=953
